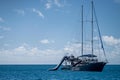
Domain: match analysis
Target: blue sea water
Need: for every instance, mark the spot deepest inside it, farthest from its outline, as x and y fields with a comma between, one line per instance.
x=40, y=72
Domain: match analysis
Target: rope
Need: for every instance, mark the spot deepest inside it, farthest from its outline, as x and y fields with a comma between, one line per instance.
x=99, y=33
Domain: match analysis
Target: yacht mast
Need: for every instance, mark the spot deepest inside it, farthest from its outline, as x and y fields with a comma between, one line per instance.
x=82, y=30
x=92, y=28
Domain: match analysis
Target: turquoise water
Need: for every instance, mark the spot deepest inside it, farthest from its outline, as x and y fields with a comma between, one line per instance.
x=40, y=72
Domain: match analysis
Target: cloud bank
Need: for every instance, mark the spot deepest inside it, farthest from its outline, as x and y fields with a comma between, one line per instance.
x=27, y=54
x=110, y=40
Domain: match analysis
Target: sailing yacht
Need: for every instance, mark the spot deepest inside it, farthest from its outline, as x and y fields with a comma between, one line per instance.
x=85, y=62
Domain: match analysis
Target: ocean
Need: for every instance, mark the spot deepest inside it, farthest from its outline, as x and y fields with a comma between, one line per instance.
x=40, y=72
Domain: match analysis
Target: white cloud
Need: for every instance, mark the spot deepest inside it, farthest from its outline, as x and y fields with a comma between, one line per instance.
x=71, y=47
x=34, y=50
x=48, y=5
x=110, y=40
x=113, y=53
x=1, y=19
x=46, y=41
x=38, y=12
x=20, y=48
x=20, y=11
x=57, y=3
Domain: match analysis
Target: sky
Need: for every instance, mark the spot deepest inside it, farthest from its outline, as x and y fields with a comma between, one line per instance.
x=43, y=31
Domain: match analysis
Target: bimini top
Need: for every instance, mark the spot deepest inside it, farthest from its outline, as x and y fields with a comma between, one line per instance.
x=88, y=55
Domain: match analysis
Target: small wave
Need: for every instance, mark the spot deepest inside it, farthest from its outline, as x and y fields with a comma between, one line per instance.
x=38, y=79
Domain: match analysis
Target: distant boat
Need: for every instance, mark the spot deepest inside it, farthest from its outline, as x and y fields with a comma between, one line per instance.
x=85, y=62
